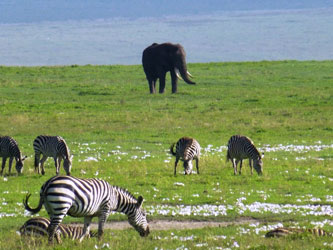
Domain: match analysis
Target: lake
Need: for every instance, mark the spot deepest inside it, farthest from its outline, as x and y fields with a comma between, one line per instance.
x=304, y=34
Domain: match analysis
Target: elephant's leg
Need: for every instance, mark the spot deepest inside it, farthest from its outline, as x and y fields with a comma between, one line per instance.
x=152, y=84
x=162, y=82
x=174, y=80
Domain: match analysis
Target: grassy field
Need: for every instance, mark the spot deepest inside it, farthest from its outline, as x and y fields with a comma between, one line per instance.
x=117, y=131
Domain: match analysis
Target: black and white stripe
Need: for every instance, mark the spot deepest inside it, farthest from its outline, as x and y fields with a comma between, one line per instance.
x=38, y=226
x=241, y=147
x=285, y=231
x=10, y=149
x=55, y=147
x=88, y=198
x=187, y=150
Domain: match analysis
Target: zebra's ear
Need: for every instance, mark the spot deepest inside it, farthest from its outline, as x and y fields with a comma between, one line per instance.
x=24, y=157
x=140, y=201
x=262, y=155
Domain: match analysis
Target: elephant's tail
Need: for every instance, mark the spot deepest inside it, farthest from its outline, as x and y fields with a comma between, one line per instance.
x=171, y=149
x=184, y=75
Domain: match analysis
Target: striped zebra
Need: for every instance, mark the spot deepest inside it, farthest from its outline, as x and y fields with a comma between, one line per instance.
x=241, y=147
x=88, y=198
x=38, y=226
x=187, y=150
x=52, y=146
x=10, y=149
x=285, y=231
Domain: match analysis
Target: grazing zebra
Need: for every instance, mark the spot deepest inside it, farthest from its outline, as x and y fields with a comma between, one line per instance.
x=52, y=146
x=187, y=150
x=87, y=198
x=284, y=231
x=38, y=226
x=241, y=147
x=9, y=148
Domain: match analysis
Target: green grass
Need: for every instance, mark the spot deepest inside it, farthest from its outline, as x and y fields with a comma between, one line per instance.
x=106, y=112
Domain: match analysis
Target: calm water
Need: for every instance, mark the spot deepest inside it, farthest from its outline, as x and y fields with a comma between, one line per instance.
x=224, y=36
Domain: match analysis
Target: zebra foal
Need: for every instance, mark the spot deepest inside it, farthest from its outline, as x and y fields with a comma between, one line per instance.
x=88, y=198
x=55, y=147
x=38, y=226
x=187, y=150
x=241, y=147
x=285, y=231
x=10, y=149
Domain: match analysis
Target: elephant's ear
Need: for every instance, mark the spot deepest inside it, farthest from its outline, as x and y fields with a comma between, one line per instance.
x=172, y=50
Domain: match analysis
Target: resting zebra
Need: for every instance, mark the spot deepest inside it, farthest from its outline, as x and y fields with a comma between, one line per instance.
x=52, y=146
x=9, y=149
x=284, y=231
x=88, y=198
x=38, y=226
x=241, y=147
x=187, y=150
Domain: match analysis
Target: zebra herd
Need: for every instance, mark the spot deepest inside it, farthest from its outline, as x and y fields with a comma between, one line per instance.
x=187, y=149
x=88, y=198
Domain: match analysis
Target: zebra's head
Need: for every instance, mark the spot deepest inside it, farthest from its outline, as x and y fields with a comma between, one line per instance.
x=188, y=167
x=68, y=164
x=138, y=219
x=19, y=164
x=258, y=165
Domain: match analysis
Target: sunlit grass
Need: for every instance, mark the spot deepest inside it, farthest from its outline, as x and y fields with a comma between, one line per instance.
x=119, y=132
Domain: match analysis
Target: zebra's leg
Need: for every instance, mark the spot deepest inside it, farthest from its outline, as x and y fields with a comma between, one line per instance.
x=250, y=163
x=4, y=159
x=197, y=164
x=57, y=162
x=86, y=227
x=42, y=164
x=37, y=163
x=234, y=164
x=53, y=227
x=176, y=162
x=240, y=166
x=101, y=221
x=10, y=164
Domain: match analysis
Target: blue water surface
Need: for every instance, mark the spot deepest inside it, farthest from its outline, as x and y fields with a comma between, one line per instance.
x=247, y=35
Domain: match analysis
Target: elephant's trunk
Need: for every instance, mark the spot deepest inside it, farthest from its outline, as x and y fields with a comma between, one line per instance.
x=182, y=69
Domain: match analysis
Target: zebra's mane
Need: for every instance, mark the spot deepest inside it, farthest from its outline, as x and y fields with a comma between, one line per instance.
x=125, y=192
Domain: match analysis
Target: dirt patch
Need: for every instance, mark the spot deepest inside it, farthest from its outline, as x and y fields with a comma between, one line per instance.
x=171, y=224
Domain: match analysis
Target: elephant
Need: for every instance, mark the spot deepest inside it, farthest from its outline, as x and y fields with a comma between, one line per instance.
x=158, y=59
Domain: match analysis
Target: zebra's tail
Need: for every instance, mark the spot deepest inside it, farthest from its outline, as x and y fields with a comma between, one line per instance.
x=228, y=157
x=171, y=149
x=33, y=210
